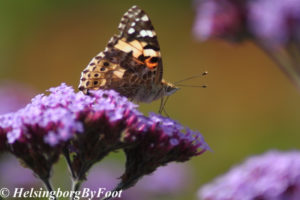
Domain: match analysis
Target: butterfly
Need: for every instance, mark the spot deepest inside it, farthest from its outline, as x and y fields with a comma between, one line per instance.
x=131, y=64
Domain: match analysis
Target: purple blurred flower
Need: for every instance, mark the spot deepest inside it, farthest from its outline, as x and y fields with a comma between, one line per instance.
x=104, y=175
x=85, y=128
x=13, y=96
x=14, y=175
x=270, y=21
x=219, y=18
x=273, y=25
x=272, y=176
x=168, y=180
x=275, y=21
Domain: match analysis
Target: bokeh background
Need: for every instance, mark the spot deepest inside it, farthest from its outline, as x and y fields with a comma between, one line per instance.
x=248, y=108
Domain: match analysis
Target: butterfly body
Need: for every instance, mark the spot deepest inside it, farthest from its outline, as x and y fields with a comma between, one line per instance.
x=131, y=64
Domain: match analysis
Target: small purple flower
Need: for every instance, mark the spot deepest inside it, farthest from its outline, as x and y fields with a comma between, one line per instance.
x=275, y=21
x=272, y=176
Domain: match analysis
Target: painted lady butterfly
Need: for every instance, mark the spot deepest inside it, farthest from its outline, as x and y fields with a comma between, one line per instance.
x=131, y=63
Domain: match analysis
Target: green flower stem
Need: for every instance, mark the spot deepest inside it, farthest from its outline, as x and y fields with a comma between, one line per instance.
x=48, y=185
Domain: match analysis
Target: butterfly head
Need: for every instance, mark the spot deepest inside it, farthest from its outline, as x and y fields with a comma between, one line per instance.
x=168, y=88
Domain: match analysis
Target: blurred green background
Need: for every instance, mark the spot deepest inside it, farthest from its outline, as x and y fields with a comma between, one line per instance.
x=248, y=108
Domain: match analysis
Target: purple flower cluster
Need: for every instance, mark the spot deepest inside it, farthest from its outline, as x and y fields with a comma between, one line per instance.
x=272, y=21
x=34, y=133
x=85, y=128
x=157, y=141
x=272, y=176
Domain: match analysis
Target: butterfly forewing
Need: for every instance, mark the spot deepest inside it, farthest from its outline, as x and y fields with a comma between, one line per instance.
x=131, y=63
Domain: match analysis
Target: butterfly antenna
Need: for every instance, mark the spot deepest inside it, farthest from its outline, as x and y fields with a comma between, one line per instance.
x=195, y=86
x=191, y=77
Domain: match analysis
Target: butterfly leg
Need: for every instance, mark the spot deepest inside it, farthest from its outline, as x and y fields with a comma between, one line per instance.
x=164, y=107
x=161, y=106
x=166, y=113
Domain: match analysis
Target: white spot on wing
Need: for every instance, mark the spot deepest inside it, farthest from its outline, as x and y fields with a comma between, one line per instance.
x=145, y=18
x=101, y=54
x=143, y=33
x=131, y=30
x=111, y=40
x=137, y=12
x=121, y=26
x=133, y=24
x=151, y=53
x=149, y=33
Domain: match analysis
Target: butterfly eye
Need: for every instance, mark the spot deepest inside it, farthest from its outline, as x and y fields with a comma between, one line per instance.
x=170, y=90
